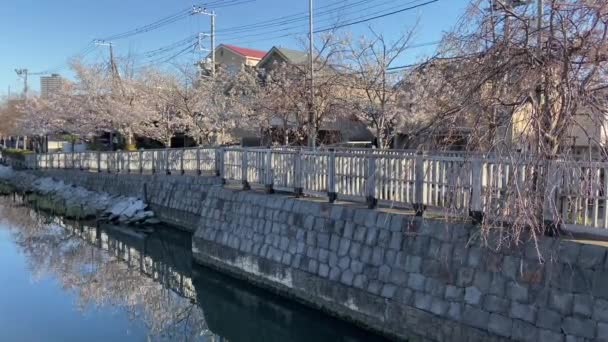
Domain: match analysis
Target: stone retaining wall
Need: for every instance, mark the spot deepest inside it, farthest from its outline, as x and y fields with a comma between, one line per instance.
x=413, y=278
x=174, y=199
x=405, y=276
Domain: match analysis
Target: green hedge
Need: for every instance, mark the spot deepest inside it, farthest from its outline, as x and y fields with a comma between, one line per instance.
x=15, y=153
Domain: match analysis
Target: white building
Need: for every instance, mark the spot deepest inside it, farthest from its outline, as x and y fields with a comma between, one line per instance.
x=50, y=84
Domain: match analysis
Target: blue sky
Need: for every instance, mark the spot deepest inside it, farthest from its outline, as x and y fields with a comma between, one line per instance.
x=42, y=34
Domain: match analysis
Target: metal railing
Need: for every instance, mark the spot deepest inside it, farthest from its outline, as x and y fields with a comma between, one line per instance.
x=574, y=192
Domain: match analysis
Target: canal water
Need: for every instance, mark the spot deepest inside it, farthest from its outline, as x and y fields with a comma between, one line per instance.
x=69, y=281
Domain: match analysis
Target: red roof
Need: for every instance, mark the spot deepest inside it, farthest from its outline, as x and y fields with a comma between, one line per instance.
x=246, y=52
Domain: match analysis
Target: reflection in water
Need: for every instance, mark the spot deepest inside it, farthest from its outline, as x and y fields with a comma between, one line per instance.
x=149, y=276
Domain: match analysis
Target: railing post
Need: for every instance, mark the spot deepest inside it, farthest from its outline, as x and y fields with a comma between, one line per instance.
x=331, y=177
x=128, y=161
x=65, y=160
x=119, y=161
x=419, y=185
x=550, y=205
x=98, y=161
x=268, y=177
x=219, y=162
x=244, y=169
x=476, y=206
x=198, y=160
x=153, y=161
x=181, y=161
x=370, y=182
x=297, y=173
x=72, y=157
x=141, y=161
x=167, y=164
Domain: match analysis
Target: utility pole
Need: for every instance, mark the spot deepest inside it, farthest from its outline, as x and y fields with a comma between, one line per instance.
x=211, y=14
x=312, y=137
x=113, y=67
x=539, y=25
x=23, y=74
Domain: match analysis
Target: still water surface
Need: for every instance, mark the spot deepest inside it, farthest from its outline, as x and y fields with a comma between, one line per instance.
x=66, y=281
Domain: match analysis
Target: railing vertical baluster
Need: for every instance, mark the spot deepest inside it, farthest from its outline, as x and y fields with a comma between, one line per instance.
x=153, y=165
x=244, y=169
x=331, y=177
x=297, y=174
x=419, y=185
x=268, y=179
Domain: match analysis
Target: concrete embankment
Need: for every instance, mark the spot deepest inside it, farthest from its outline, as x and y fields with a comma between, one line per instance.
x=75, y=201
x=404, y=276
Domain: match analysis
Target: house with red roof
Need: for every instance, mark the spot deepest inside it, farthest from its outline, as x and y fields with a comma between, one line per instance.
x=232, y=57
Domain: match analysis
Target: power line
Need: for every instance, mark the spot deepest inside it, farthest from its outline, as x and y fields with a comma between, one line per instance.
x=376, y=17
x=360, y=19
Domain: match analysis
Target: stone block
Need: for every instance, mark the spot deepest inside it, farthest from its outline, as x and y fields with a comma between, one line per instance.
x=474, y=257
x=313, y=266
x=343, y=247
x=398, y=277
x=355, y=250
x=360, y=232
x=334, y=274
x=500, y=325
x=591, y=256
x=370, y=218
x=434, y=287
x=349, y=230
x=347, y=278
x=472, y=296
x=422, y=301
x=416, y=281
x=356, y=266
x=323, y=255
x=465, y=277
x=377, y=256
x=583, y=305
x=374, y=287
x=455, y=311
x=549, y=336
x=413, y=263
x=495, y=304
x=388, y=291
x=439, y=307
x=323, y=270
x=510, y=267
x=600, y=284
x=523, y=331
x=517, y=292
x=366, y=254
x=525, y=312
x=372, y=236
x=482, y=280
x=549, y=319
x=334, y=242
x=476, y=317
x=561, y=302
x=323, y=240
x=344, y=263
x=384, y=273
x=600, y=310
x=360, y=281
x=602, y=331
x=580, y=327
x=453, y=293
x=396, y=223
x=395, y=240
x=384, y=237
